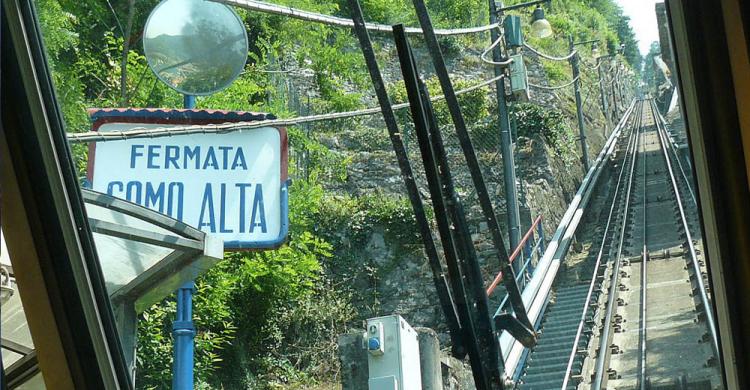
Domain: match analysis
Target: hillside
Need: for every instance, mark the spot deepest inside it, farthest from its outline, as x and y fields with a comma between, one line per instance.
x=270, y=320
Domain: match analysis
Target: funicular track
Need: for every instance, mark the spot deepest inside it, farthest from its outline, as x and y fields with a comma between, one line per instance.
x=601, y=329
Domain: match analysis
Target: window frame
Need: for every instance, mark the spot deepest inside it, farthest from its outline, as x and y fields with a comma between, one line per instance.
x=48, y=235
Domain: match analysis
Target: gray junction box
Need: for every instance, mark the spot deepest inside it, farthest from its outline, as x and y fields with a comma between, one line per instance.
x=393, y=354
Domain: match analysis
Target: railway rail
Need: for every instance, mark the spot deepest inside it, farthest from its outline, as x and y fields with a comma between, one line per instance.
x=631, y=309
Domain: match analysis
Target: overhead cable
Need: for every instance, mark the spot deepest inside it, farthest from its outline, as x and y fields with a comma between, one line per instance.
x=492, y=62
x=555, y=87
x=141, y=132
x=549, y=57
x=592, y=67
x=276, y=9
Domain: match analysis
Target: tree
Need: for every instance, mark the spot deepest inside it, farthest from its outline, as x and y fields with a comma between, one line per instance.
x=651, y=73
x=627, y=38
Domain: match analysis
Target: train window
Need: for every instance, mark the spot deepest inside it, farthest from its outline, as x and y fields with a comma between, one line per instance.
x=151, y=235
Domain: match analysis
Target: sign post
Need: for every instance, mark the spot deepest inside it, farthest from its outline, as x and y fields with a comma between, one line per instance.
x=198, y=48
x=233, y=185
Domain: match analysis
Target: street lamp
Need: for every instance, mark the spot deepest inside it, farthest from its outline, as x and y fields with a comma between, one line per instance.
x=506, y=145
x=540, y=26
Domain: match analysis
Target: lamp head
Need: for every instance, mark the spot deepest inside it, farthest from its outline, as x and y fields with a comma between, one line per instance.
x=540, y=26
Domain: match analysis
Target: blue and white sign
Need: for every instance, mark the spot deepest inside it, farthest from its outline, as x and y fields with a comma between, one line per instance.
x=233, y=185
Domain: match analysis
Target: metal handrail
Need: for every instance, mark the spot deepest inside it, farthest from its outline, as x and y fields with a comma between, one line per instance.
x=513, y=255
x=539, y=243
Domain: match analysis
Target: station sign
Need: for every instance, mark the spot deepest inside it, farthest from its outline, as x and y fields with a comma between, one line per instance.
x=233, y=185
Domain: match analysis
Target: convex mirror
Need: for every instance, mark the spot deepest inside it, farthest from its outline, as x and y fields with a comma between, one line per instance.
x=197, y=47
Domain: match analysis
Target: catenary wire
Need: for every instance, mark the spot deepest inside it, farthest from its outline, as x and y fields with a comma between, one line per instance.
x=555, y=87
x=549, y=57
x=96, y=136
x=260, y=6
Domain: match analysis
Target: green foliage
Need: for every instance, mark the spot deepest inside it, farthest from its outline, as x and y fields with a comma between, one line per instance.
x=323, y=163
x=474, y=104
x=356, y=217
x=557, y=72
x=243, y=308
x=533, y=120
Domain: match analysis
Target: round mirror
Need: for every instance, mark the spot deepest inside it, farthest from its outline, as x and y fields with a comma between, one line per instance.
x=197, y=47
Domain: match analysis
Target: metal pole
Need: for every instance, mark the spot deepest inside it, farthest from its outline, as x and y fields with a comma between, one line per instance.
x=506, y=146
x=612, y=81
x=579, y=108
x=603, y=96
x=620, y=91
x=183, y=329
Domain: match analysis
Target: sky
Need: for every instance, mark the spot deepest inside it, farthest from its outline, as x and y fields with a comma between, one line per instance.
x=643, y=21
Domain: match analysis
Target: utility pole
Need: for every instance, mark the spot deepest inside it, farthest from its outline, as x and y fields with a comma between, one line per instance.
x=612, y=87
x=603, y=96
x=579, y=106
x=506, y=145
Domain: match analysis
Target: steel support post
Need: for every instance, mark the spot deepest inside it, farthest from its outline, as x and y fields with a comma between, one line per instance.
x=183, y=332
x=579, y=107
x=506, y=144
x=603, y=96
x=183, y=329
x=620, y=90
x=612, y=86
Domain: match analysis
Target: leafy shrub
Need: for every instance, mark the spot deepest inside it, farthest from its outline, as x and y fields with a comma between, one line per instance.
x=557, y=72
x=533, y=120
x=474, y=104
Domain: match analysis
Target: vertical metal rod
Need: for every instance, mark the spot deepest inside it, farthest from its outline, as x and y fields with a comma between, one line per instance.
x=188, y=101
x=439, y=279
x=506, y=143
x=579, y=107
x=183, y=331
x=541, y=238
x=183, y=328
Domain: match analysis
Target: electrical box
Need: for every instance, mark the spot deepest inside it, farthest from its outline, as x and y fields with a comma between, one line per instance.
x=519, y=79
x=512, y=29
x=392, y=354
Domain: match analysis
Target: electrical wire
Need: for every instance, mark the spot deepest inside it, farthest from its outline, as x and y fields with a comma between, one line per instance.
x=140, y=132
x=591, y=67
x=275, y=9
x=555, y=87
x=493, y=62
x=549, y=57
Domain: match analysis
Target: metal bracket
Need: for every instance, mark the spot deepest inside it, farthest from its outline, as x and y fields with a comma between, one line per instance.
x=526, y=336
